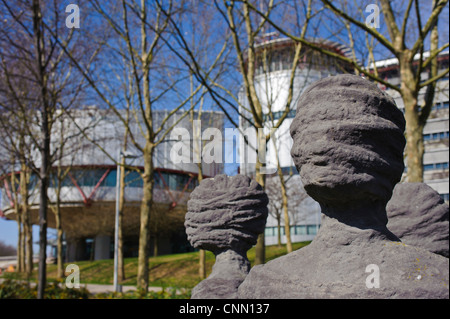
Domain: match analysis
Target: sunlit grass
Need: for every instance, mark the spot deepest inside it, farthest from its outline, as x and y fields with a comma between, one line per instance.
x=177, y=270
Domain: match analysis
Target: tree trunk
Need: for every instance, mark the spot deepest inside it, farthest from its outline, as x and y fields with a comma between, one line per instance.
x=44, y=146
x=260, y=247
x=279, y=229
x=27, y=225
x=28, y=231
x=59, y=256
x=20, y=246
x=17, y=209
x=59, y=239
x=155, y=245
x=146, y=207
x=287, y=226
x=414, y=129
x=42, y=275
x=121, y=264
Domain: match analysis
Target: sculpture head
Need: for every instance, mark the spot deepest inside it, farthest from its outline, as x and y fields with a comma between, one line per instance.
x=348, y=141
x=226, y=212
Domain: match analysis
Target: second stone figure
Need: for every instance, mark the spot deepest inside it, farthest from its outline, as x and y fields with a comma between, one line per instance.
x=225, y=215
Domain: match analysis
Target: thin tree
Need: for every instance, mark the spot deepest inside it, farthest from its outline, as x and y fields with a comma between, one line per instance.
x=406, y=42
x=237, y=16
x=27, y=41
x=144, y=50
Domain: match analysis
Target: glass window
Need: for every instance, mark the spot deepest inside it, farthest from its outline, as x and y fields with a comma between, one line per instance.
x=133, y=179
x=172, y=182
x=312, y=229
x=268, y=232
x=110, y=180
x=300, y=230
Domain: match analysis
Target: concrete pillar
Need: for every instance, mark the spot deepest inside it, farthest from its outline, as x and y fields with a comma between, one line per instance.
x=102, y=247
x=76, y=249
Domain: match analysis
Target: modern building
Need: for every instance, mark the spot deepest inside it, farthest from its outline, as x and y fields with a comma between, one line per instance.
x=436, y=130
x=272, y=85
x=88, y=188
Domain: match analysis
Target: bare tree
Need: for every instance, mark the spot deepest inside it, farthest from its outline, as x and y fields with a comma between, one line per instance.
x=139, y=28
x=28, y=46
x=246, y=32
x=407, y=43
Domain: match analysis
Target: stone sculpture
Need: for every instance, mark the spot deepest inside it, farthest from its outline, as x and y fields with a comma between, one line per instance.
x=225, y=215
x=419, y=217
x=348, y=149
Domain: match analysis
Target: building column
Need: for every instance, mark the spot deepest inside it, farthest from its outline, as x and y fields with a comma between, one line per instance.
x=76, y=249
x=102, y=247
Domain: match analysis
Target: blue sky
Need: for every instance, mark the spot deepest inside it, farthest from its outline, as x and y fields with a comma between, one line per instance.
x=8, y=232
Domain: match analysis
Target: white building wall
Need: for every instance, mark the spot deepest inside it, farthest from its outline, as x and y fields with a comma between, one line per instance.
x=107, y=130
x=272, y=89
x=436, y=156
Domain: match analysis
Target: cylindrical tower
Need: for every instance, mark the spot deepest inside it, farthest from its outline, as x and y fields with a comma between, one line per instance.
x=273, y=65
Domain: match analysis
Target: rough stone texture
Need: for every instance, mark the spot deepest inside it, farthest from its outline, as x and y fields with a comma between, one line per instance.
x=419, y=217
x=348, y=148
x=225, y=215
x=348, y=139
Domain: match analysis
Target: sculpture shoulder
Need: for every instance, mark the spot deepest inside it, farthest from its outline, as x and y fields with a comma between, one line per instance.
x=387, y=270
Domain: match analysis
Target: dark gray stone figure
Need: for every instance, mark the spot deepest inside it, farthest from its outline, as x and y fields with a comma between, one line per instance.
x=348, y=148
x=225, y=215
x=419, y=217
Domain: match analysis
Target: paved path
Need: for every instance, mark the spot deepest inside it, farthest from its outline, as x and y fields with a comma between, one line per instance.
x=95, y=288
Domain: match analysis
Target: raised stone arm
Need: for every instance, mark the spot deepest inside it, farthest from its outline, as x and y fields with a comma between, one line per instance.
x=225, y=215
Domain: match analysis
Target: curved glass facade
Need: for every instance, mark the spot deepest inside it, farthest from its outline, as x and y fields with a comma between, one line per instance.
x=90, y=177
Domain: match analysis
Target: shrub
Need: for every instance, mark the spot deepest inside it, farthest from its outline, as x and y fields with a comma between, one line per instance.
x=12, y=289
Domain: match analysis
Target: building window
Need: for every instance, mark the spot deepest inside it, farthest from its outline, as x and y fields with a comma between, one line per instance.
x=311, y=229
x=436, y=166
x=133, y=179
x=300, y=230
x=268, y=232
x=291, y=170
x=295, y=230
x=441, y=106
x=174, y=181
x=278, y=115
x=435, y=136
x=445, y=197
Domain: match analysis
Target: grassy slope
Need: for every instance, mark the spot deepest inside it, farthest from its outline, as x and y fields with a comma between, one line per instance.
x=180, y=270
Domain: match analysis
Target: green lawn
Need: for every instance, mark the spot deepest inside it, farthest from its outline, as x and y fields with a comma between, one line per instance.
x=178, y=270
